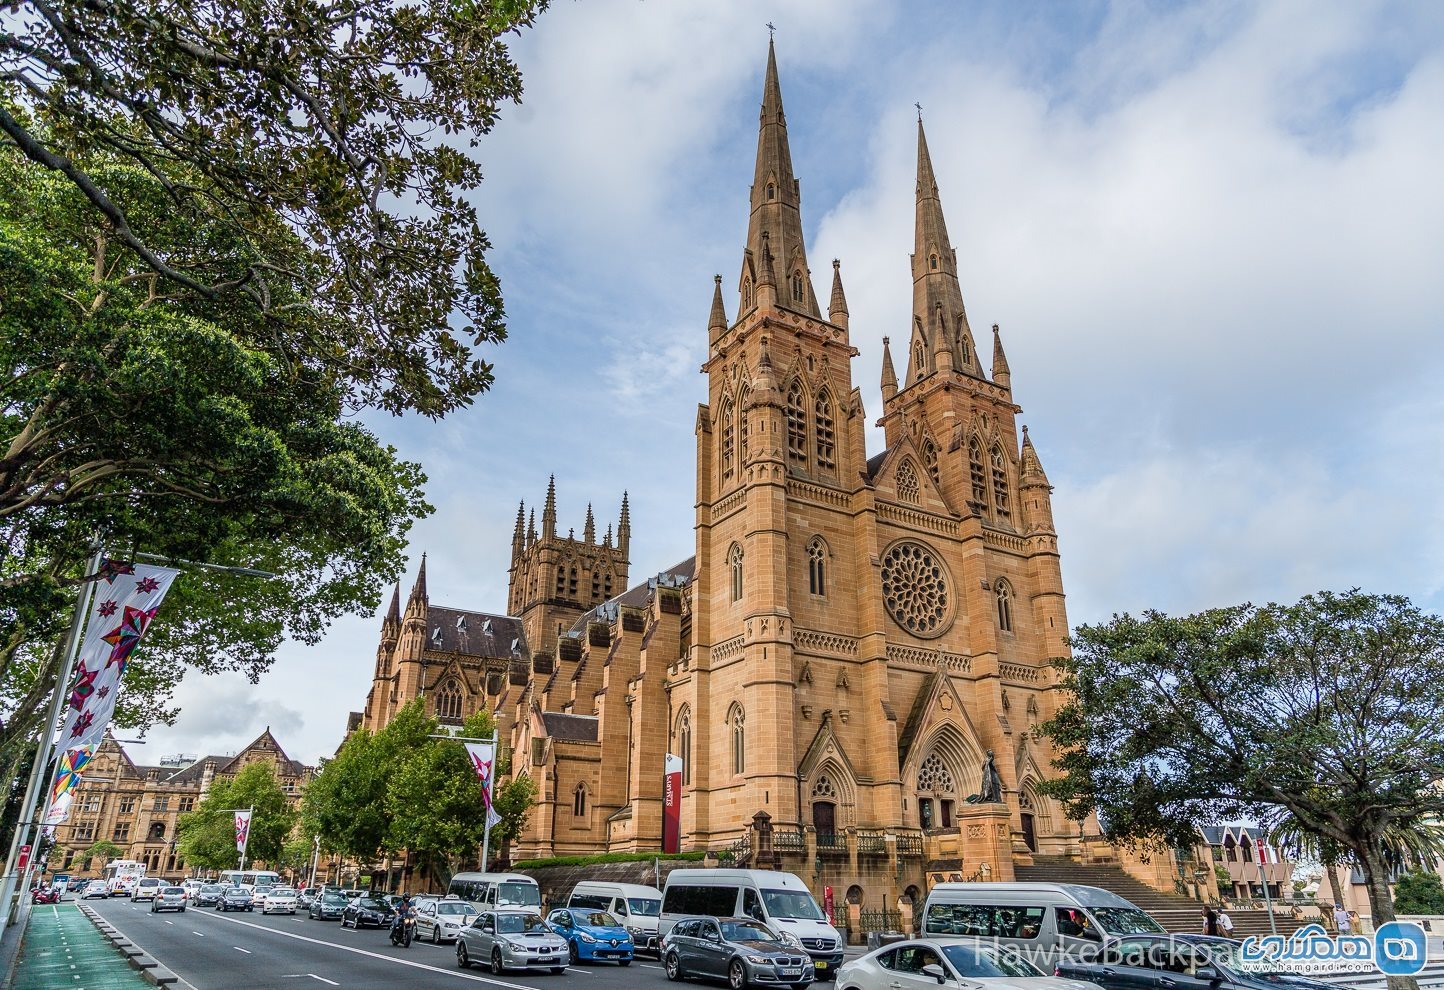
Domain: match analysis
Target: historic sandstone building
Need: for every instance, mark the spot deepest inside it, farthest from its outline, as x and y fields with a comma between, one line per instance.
x=853, y=635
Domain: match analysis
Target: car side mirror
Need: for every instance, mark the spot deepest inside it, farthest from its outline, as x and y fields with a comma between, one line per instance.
x=936, y=972
x=1209, y=974
x=488, y=929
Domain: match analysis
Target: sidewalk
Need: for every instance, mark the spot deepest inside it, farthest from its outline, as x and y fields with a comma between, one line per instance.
x=63, y=949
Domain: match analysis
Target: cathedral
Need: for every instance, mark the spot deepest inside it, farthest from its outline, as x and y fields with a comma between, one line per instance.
x=857, y=646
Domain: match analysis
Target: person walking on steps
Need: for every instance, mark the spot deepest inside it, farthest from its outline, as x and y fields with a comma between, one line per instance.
x=1210, y=921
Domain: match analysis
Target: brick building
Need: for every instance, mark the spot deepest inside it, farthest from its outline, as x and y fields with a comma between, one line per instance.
x=858, y=645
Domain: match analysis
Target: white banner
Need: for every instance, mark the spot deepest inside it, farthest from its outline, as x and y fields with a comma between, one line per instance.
x=127, y=597
x=483, y=761
x=243, y=830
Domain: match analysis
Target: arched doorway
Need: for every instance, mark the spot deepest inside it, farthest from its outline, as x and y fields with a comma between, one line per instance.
x=824, y=805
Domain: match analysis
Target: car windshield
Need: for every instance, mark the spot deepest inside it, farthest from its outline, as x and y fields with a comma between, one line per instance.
x=456, y=909
x=174, y=890
x=791, y=904
x=211, y=888
x=333, y=899
x=747, y=931
x=519, y=894
x=648, y=907
x=597, y=919
x=1124, y=921
x=370, y=904
x=281, y=892
x=526, y=924
x=976, y=963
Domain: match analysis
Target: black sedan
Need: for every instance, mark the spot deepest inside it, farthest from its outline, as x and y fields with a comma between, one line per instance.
x=328, y=906
x=364, y=911
x=740, y=950
x=208, y=895
x=235, y=899
x=1177, y=962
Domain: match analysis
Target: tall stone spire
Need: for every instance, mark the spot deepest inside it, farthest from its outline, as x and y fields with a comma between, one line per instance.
x=717, y=322
x=1001, y=375
x=624, y=527
x=531, y=535
x=393, y=614
x=776, y=209
x=518, y=534
x=889, y=376
x=589, y=531
x=837, y=305
x=418, y=590
x=940, y=322
x=549, y=511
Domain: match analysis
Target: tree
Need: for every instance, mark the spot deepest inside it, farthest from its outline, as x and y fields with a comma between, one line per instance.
x=1419, y=892
x=207, y=836
x=340, y=116
x=1328, y=710
x=104, y=850
x=1420, y=844
x=175, y=426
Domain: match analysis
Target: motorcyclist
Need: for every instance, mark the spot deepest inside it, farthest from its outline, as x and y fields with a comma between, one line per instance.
x=404, y=910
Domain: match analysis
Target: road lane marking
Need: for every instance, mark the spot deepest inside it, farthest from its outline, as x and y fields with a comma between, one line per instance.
x=201, y=934
x=169, y=922
x=239, y=949
x=379, y=955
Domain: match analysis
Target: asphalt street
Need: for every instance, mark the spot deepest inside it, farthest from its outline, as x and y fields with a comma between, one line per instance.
x=249, y=951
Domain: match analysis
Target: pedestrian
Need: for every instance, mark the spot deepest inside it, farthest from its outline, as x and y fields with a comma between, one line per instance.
x=1210, y=921
x=1225, y=923
x=1341, y=919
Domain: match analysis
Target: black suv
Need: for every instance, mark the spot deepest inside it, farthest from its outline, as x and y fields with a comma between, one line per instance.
x=235, y=899
x=1176, y=962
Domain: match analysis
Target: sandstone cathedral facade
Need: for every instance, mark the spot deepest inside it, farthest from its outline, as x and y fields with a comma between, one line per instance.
x=859, y=646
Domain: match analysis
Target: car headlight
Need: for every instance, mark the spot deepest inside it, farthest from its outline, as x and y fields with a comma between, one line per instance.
x=758, y=960
x=515, y=946
x=636, y=931
x=792, y=940
x=585, y=937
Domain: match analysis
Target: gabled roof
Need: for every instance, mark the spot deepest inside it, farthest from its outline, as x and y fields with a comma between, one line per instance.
x=473, y=634
x=570, y=728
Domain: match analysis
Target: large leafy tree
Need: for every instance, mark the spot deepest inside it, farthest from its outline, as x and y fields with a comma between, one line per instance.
x=207, y=836
x=173, y=425
x=1419, y=892
x=1330, y=710
x=348, y=119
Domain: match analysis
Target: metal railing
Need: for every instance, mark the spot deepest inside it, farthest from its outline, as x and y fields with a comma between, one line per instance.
x=788, y=840
x=832, y=843
x=880, y=920
x=871, y=844
x=909, y=845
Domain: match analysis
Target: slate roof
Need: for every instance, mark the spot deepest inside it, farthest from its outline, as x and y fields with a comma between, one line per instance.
x=570, y=728
x=473, y=634
x=874, y=464
x=192, y=773
x=636, y=596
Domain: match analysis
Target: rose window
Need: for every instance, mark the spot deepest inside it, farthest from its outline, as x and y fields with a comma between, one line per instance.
x=915, y=589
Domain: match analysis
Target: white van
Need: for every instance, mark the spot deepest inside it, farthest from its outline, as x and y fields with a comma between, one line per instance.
x=636, y=905
x=1048, y=918
x=779, y=899
x=496, y=890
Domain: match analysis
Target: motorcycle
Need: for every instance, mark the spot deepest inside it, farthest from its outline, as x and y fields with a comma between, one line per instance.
x=45, y=895
x=403, y=931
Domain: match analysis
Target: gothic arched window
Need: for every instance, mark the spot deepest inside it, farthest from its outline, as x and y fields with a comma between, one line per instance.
x=797, y=286
x=771, y=190
x=907, y=483
x=826, y=439
x=1005, y=606
x=728, y=438
x=747, y=293
x=1000, y=483
x=561, y=580
x=930, y=460
x=796, y=423
x=742, y=431
x=918, y=369
x=684, y=742
x=817, y=566
x=935, y=776
x=448, y=700
x=737, y=719
x=579, y=801
x=572, y=581
x=976, y=473
x=734, y=560
x=933, y=262
x=963, y=344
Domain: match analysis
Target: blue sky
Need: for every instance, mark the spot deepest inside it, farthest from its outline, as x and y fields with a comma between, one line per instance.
x=1213, y=235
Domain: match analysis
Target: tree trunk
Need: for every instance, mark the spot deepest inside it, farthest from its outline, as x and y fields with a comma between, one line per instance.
x=1381, y=901
x=1336, y=896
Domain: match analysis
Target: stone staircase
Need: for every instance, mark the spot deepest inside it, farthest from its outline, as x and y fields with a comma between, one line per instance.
x=1174, y=912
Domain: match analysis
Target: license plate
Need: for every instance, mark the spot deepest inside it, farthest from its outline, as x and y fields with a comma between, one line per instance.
x=819, y=965
x=791, y=972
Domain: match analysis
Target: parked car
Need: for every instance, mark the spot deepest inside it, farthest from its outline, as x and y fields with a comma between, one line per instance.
x=145, y=889
x=96, y=888
x=442, y=920
x=638, y=907
x=512, y=938
x=192, y=886
x=235, y=899
x=926, y=963
x=363, y=911
x=742, y=951
x=279, y=900
x=170, y=898
x=207, y=895
x=1184, y=962
x=304, y=897
x=593, y=935
x=328, y=906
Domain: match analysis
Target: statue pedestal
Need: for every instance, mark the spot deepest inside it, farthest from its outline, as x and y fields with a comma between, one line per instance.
x=985, y=834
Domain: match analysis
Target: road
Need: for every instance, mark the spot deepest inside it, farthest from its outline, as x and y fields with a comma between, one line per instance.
x=248, y=951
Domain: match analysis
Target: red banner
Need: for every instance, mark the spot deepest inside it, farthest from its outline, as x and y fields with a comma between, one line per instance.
x=672, y=805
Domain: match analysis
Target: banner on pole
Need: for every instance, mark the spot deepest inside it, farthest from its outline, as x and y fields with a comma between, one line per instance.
x=672, y=805
x=483, y=761
x=67, y=777
x=127, y=596
x=243, y=830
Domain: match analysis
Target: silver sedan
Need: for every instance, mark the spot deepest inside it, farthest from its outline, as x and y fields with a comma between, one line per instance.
x=927, y=963
x=511, y=939
x=169, y=899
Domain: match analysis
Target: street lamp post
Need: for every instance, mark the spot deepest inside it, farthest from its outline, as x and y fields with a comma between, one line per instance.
x=315, y=857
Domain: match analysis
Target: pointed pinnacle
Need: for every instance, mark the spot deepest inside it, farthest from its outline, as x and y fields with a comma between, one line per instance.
x=393, y=614
x=418, y=590
x=589, y=531
x=889, y=374
x=718, y=320
x=837, y=306
x=1001, y=375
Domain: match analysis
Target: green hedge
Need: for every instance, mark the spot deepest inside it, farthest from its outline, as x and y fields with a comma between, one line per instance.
x=637, y=857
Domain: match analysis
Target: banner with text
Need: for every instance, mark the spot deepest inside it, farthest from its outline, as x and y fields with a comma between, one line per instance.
x=672, y=805
x=243, y=831
x=483, y=761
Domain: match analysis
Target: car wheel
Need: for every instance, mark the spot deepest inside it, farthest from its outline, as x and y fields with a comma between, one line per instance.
x=558, y=970
x=461, y=958
x=624, y=962
x=497, y=968
x=572, y=951
x=736, y=975
x=435, y=934
x=182, y=910
x=673, y=966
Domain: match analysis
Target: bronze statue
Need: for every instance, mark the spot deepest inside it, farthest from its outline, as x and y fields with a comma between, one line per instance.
x=991, y=789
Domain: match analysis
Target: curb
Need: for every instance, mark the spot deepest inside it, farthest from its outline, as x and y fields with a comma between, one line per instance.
x=153, y=971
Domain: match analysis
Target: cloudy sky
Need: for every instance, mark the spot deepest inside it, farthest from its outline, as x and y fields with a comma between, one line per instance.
x=1213, y=235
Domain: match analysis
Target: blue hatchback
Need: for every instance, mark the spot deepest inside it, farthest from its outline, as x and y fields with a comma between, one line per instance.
x=593, y=935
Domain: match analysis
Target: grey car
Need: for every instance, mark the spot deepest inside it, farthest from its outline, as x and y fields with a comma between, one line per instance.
x=168, y=899
x=208, y=895
x=511, y=939
x=741, y=951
